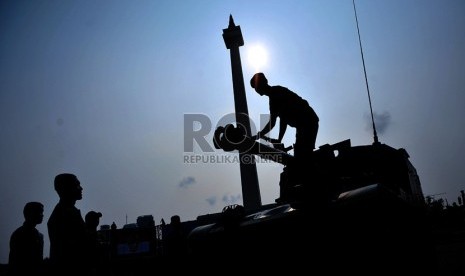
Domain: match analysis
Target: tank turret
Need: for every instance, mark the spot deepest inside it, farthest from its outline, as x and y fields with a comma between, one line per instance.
x=331, y=169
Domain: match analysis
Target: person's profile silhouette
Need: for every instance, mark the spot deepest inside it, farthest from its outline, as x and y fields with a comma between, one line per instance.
x=27, y=243
x=66, y=228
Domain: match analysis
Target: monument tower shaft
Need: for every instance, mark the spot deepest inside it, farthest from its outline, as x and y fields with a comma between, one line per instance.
x=250, y=188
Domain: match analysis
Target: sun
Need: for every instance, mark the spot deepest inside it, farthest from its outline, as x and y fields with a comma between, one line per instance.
x=257, y=57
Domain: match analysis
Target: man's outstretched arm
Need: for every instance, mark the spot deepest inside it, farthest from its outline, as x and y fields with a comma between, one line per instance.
x=268, y=127
x=282, y=129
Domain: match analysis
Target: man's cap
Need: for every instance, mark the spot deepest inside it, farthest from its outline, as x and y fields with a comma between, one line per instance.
x=93, y=215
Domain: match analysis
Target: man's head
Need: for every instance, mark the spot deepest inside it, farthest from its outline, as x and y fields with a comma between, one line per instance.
x=92, y=219
x=176, y=220
x=68, y=186
x=34, y=212
x=259, y=83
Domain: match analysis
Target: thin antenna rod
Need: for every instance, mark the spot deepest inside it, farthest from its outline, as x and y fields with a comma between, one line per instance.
x=375, y=136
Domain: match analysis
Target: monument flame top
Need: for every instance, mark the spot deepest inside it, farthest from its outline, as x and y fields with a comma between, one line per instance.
x=232, y=35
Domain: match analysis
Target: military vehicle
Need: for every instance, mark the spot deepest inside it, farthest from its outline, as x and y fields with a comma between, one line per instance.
x=357, y=207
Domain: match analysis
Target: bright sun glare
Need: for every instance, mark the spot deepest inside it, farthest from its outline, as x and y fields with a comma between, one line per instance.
x=257, y=57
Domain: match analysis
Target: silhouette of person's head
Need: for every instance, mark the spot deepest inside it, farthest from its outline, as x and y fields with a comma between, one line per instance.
x=92, y=219
x=34, y=212
x=259, y=83
x=68, y=187
x=175, y=220
x=27, y=243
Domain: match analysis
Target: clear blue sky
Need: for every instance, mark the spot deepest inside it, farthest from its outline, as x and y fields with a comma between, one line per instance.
x=100, y=88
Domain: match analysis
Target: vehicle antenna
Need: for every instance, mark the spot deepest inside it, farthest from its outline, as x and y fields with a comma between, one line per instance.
x=375, y=135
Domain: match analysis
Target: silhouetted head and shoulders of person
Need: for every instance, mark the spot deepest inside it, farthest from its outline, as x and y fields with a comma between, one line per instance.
x=65, y=214
x=277, y=94
x=175, y=221
x=259, y=82
x=175, y=227
x=283, y=102
x=175, y=239
x=66, y=227
x=92, y=220
x=26, y=242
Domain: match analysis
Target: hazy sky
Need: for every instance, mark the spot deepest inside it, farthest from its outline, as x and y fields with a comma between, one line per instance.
x=100, y=89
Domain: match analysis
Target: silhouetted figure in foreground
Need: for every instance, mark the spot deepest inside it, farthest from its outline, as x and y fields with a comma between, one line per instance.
x=94, y=242
x=27, y=243
x=294, y=111
x=66, y=228
x=175, y=244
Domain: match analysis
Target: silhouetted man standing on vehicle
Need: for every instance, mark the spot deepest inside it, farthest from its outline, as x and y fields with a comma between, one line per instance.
x=292, y=110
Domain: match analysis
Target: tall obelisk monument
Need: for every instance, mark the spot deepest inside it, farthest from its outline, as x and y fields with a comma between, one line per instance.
x=250, y=189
